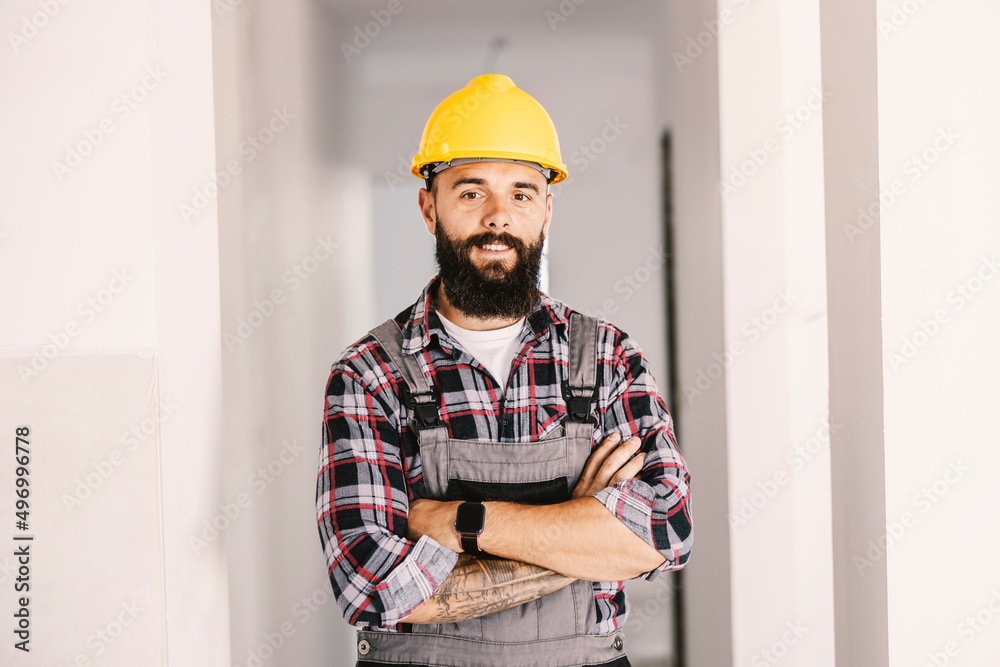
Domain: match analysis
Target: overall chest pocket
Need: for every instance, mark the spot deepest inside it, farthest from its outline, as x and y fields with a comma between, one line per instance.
x=533, y=472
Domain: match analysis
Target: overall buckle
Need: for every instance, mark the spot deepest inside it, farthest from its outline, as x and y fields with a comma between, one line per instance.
x=580, y=408
x=423, y=406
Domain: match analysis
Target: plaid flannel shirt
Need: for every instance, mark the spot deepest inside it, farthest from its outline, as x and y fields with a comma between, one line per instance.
x=370, y=466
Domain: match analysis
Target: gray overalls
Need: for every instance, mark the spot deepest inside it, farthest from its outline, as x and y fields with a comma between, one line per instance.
x=555, y=630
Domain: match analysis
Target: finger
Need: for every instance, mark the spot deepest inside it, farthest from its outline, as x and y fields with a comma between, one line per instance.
x=630, y=469
x=599, y=455
x=585, y=484
x=617, y=459
x=621, y=455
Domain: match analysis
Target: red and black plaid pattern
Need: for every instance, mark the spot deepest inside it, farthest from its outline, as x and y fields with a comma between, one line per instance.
x=370, y=468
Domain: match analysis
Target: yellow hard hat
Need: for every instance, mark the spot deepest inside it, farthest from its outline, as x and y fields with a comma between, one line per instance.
x=490, y=118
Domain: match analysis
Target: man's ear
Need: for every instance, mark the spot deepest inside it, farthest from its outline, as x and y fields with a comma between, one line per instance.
x=425, y=200
x=548, y=215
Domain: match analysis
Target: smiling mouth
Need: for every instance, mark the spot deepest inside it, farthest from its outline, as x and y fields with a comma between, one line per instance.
x=494, y=247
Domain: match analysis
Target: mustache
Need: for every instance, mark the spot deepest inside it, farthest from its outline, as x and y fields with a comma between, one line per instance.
x=487, y=238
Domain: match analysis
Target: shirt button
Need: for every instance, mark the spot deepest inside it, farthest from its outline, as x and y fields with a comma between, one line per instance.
x=619, y=643
x=364, y=647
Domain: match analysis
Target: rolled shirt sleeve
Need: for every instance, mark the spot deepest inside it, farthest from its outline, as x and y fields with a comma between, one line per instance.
x=377, y=574
x=656, y=505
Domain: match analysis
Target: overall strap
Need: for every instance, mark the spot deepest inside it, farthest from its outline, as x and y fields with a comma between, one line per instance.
x=580, y=388
x=416, y=394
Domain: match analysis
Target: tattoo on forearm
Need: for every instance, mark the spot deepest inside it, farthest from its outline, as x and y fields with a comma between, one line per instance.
x=480, y=586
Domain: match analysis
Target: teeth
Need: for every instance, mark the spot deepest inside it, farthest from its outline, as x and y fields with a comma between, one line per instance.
x=495, y=246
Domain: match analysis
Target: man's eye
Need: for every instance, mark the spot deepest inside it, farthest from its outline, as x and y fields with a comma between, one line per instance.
x=523, y=196
x=471, y=195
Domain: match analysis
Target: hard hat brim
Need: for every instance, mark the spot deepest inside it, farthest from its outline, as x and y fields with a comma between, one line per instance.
x=421, y=161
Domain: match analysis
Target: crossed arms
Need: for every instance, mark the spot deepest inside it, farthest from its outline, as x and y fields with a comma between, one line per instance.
x=392, y=560
x=542, y=547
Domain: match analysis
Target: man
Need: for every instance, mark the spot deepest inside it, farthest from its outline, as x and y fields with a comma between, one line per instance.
x=467, y=512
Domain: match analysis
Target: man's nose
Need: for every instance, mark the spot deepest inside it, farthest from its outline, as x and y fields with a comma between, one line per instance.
x=497, y=214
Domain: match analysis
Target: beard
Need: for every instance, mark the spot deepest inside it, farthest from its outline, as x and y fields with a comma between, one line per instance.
x=494, y=291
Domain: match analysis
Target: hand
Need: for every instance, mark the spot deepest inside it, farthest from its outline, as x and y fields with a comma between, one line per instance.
x=609, y=464
x=436, y=519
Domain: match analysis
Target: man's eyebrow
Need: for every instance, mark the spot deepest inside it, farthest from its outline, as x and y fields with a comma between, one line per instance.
x=471, y=180
x=468, y=180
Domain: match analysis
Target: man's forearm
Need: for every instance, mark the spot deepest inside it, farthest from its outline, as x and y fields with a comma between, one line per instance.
x=480, y=586
x=579, y=538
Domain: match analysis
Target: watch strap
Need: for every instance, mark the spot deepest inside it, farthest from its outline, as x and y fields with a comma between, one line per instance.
x=470, y=544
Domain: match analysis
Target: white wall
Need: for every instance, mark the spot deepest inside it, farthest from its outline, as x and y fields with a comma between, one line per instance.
x=107, y=116
x=774, y=352
x=291, y=294
x=939, y=98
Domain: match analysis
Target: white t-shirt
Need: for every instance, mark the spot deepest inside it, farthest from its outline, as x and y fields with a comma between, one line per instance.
x=494, y=349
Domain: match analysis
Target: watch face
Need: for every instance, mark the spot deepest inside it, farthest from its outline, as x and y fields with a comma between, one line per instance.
x=471, y=518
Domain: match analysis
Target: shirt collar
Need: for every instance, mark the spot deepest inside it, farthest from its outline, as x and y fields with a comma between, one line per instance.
x=424, y=325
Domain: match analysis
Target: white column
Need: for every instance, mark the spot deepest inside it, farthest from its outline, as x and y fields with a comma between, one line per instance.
x=850, y=134
x=773, y=360
x=186, y=260
x=940, y=288
x=690, y=99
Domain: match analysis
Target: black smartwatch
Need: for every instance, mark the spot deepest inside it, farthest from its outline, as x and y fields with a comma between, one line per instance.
x=469, y=523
